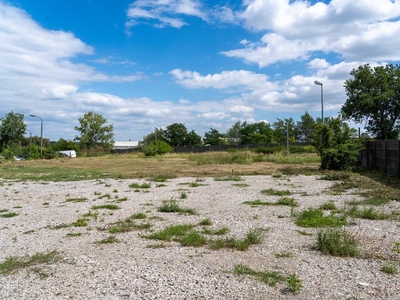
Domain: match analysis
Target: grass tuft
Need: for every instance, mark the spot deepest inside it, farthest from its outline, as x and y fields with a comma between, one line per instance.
x=171, y=206
x=337, y=242
x=106, y=206
x=315, y=218
x=276, y=192
x=139, y=186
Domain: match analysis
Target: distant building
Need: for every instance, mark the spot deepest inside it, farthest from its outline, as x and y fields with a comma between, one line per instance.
x=125, y=145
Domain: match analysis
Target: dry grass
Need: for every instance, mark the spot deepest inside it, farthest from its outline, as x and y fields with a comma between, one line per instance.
x=136, y=166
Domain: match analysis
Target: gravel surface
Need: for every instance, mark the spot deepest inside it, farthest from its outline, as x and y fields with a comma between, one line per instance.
x=130, y=269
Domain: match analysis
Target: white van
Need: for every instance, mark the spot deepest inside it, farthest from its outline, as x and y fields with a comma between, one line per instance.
x=69, y=153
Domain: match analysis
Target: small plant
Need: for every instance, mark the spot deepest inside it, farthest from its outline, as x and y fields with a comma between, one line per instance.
x=287, y=201
x=334, y=176
x=315, y=218
x=91, y=214
x=194, y=184
x=389, y=269
x=205, y=222
x=13, y=264
x=302, y=232
x=337, y=242
x=97, y=193
x=109, y=240
x=258, y=202
x=294, y=283
x=193, y=238
x=328, y=206
x=8, y=215
x=29, y=231
x=276, y=192
x=138, y=216
x=171, y=232
x=74, y=234
x=156, y=246
x=76, y=200
x=183, y=195
x=59, y=226
x=253, y=236
x=106, y=206
x=242, y=185
x=221, y=231
x=284, y=255
x=80, y=222
x=277, y=175
x=229, y=178
x=139, y=186
x=160, y=178
x=173, y=206
x=119, y=200
x=396, y=247
x=127, y=225
x=46, y=203
x=270, y=278
x=368, y=213
x=115, y=191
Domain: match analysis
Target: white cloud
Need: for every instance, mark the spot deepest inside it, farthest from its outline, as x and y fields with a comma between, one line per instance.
x=356, y=30
x=318, y=63
x=163, y=12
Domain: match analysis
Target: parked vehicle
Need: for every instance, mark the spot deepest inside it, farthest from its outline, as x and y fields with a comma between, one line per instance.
x=21, y=157
x=68, y=153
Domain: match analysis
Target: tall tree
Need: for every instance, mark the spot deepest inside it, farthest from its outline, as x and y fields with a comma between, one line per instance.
x=374, y=98
x=12, y=129
x=233, y=135
x=305, y=128
x=175, y=134
x=281, y=128
x=256, y=133
x=213, y=137
x=94, y=132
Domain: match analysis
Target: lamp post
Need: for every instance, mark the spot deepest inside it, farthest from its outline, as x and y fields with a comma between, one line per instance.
x=322, y=99
x=30, y=142
x=41, y=134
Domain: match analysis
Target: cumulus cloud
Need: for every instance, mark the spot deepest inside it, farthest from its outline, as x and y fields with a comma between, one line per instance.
x=356, y=30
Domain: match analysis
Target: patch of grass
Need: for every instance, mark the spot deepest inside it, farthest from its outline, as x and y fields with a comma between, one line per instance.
x=160, y=178
x=59, y=226
x=108, y=196
x=253, y=236
x=109, y=240
x=3, y=210
x=156, y=246
x=302, y=232
x=205, y=222
x=106, y=206
x=193, y=238
x=46, y=203
x=183, y=195
x=8, y=214
x=29, y=231
x=242, y=185
x=270, y=278
x=195, y=184
x=377, y=201
x=221, y=231
x=91, y=214
x=276, y=192
x=229, y=178
x=287, y=201
x=14, y=263
x=368, y=213
x=315, y=218
x=337, y=242
x=284, y=255
x=119, y=200
x=160, y=185
x=139, y=186
x=389, y=269
x=138, y=216
x=171, y=206
x=328, y=206
x=171, y=232
x=77, y=200
x=294, y=284
x=81, y=222
x=74, y=234
x=335, y=176
x=127, y=225
x=258, y=202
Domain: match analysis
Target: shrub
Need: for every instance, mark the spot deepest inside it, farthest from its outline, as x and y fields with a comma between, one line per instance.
x=157, y=148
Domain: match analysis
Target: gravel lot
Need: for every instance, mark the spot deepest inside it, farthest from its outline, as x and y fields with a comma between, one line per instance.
x=131, y=270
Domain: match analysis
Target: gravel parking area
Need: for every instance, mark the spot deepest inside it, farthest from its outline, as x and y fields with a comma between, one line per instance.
x=139, y=268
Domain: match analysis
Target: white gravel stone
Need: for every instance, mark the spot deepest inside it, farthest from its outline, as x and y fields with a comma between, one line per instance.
x=131, y=270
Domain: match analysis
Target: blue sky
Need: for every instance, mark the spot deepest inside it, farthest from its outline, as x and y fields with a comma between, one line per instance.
x=145, y=64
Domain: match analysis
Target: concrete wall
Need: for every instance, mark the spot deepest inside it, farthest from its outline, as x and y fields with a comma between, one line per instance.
x=384, y=155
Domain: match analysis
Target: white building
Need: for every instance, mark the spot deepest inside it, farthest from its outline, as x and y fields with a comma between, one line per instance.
x=125, y=145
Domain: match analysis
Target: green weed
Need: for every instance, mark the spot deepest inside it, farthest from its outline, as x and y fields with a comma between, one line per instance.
x=109, y=240
x=276, y=192
x=106, y=206
x=205, y=222
x=77, y=200
x=389, y=269
x=139, y=186
x=171, y=206
x=8, y=215
x=229, y=178
x=328, y=206
x=337, y=242
x=315, y=218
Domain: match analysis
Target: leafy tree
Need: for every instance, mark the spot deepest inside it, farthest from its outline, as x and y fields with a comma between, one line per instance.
x=175, y=134
x=156, y=135
x=305, y=128
x=157, y=148
x=193, y=139
x=337, y=144
x=256, y=133
x=233, y=135
x=374, y=98
x=12, y=130
x=213, y=137
x=94, y=132
x=280, y=130
x=63, y=144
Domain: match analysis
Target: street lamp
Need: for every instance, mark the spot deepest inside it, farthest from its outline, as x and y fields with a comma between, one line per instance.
x=30, y=140
x=322, y=99
x=41, y=134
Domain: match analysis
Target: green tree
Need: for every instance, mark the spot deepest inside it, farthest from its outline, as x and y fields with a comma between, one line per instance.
x=233, y=135
x=213, y=137
x=280, y=130
x=337, y=144
x=256, y=133
x=63, y=144
x=156, y=135
x=94, y=132
x=305, y=128
x=193, y=139
x=374, y=98
x=12, y=130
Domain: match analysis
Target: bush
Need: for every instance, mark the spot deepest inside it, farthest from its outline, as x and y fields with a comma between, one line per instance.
x=157, y=148
x=268, y=150
x=340, y=158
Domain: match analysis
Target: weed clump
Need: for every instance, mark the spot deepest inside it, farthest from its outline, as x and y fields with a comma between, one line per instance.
x=337, y=242
x=315, y=218
x=173, y=206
